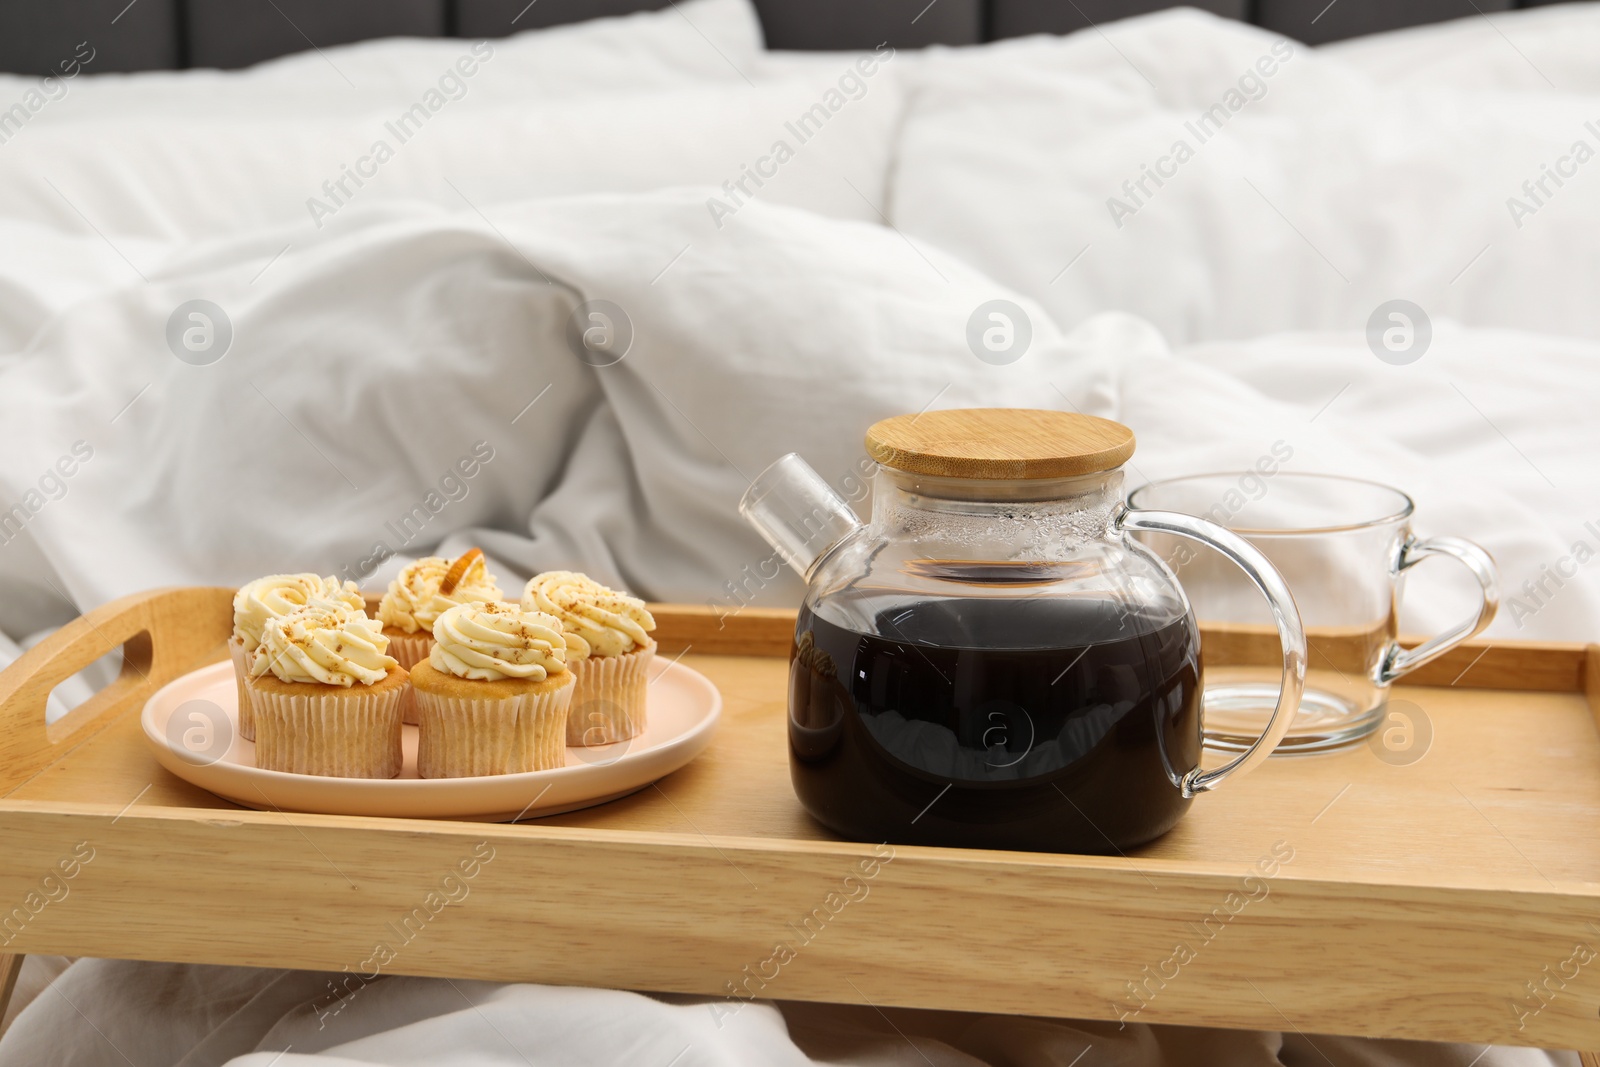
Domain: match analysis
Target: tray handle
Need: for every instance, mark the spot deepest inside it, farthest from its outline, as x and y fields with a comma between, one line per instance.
x=163, y=633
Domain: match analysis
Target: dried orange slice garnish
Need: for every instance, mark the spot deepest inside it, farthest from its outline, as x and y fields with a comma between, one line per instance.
x=458, y=570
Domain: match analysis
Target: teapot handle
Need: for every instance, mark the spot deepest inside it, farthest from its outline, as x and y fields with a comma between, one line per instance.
x=1265, y=577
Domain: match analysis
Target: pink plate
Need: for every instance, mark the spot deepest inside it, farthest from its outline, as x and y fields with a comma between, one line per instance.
x=192, y=725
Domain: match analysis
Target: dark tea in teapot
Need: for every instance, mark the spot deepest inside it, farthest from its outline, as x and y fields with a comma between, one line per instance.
x=1021, y=723
x=992, y=661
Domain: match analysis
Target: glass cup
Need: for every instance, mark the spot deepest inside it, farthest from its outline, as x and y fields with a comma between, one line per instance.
x=1344, y=546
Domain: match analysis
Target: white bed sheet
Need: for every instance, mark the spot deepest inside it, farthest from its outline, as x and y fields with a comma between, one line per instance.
x=780, y=329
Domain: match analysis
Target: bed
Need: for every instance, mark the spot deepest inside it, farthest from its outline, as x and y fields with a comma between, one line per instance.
x=388, y=213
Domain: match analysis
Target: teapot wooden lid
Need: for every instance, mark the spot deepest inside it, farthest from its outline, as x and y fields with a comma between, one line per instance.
x=1000, y=443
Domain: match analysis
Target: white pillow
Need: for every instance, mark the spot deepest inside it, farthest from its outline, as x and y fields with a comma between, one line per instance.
x=160, y=156
x=694, y=41
x=1541, y=49
x=193, y=179
x=1312, y=204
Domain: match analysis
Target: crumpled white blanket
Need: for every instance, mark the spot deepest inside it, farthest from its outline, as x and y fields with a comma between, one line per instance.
x=265, y=1018
x=329, y=436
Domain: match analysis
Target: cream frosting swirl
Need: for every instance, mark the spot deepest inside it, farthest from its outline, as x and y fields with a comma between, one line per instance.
x=486, y=641
x=413, y=601
x=279, y=594
x=611, y=623
x=319, y=643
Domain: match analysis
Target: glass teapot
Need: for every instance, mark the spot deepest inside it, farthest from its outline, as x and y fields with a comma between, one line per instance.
x=991, y=661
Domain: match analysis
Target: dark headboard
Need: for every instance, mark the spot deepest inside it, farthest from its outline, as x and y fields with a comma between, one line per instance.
x=170, y=34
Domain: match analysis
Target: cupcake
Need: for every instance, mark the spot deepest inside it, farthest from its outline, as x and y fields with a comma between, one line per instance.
x=326, y=696
x=608, y=698
x=419, y=594
x=267, y=598
x=493, y=694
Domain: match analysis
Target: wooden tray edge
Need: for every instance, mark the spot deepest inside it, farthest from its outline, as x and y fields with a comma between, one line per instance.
x=1542, y=666
x=165, y=632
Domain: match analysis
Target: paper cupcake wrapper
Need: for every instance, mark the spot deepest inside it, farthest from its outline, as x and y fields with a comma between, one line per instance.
x=241, y=675
x=327, y=730
x=608, y=700
x=410, y=650
x=459, y=737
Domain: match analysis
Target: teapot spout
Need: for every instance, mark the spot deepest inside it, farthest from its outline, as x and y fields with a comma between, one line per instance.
x=797, y=512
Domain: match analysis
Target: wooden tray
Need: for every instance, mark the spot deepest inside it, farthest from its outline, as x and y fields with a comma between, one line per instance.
x=1427, y=900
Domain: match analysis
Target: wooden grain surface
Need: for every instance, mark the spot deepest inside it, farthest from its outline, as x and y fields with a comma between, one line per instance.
x=10, y=968
x=1007, y=933
x=1495, y=663
x=1591, y=681
x=1423, y=893
x=1483, y=664
x=1473, y=809
x=1000, y=443
x=163, y=634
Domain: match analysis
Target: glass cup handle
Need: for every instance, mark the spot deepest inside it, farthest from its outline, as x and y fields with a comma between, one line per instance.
x=1397, y=660
x=1265, y=577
